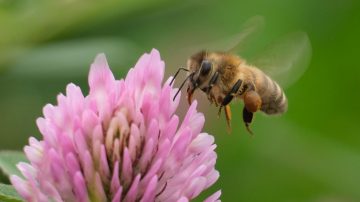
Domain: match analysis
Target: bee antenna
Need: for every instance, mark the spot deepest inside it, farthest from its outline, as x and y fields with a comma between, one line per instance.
x=177, y=72
x=182, y=85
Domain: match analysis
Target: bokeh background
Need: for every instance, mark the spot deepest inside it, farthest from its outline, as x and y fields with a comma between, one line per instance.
x=312, y=153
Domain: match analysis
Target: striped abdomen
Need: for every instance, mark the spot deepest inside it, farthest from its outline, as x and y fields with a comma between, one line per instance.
x=273, y=97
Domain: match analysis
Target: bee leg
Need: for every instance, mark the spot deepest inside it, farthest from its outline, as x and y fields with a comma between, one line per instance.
x=252, y=101
x=210, y=85
x=212, y=82
x=247, y=117
x=210, y=100
x=177, y=72
x=219, y=112
x=230, y=95
x=228, y=117
x=216, y=103
x=213, y=100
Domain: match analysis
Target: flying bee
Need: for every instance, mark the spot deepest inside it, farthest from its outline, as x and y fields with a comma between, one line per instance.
x=225, y=76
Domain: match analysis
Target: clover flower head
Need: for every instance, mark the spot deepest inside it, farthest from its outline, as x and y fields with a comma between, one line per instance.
x=121, y=142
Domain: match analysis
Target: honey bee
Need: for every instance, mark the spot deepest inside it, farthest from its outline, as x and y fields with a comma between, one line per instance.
x=224, y=76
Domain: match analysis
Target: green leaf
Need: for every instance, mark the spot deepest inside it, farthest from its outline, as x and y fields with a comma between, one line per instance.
x=8, y=193
x=8, y=161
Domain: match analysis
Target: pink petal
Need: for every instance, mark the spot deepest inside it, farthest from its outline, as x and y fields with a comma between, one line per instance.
x=76, y=98
x=27, y=170
x=104, y=166
x=80, y=188
x=134, y=141
x=195, y=187
x=72, y=164
x=131, y=194
x=101, y=82
x=33, y=142
x=152, y=171
x=183, y=199
x=56, y=167
x=47, y=131
x=115, y=182
x=149, y=194
x=179, y=148
x=88, y=166
x=99, y=188
x=89, y=120
x=170, y=131
x=52, y=192
x=164, y=150
x=191, y=111
x=33, y=154
x=147, y=154
x=117, y=196
x=126, y=167
x=214, y=197
x=100, y=73
x=153, y=130
x=80, y=143
x=212, y=178
x=48, y=112
x=197, y=123
x=22, y=187
x=201, y=142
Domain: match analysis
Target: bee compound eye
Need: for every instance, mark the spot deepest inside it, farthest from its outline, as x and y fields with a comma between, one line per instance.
x=205, y=67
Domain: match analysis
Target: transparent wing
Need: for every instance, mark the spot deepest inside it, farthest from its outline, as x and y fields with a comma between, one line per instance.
x=285, y=60
x=249, y=30
x=237, y=42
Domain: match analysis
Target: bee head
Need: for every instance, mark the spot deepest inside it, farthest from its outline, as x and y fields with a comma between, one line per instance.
x=201, y=75
x=200, y=72
x=200, y=69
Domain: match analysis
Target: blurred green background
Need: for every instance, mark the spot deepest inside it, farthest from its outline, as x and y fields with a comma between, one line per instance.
x=312, y=153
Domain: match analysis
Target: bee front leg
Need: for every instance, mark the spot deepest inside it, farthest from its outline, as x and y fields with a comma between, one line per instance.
x=212, y=100
x=252, y=101
x=177, y=72
x=212, y=82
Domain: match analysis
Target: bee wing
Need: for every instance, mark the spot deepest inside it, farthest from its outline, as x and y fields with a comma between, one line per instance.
x=234, y=43
x=249, y=30
x=285, y=60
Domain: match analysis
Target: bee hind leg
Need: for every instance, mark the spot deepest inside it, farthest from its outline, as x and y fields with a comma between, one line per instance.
x=247, y=117
x=252, y=101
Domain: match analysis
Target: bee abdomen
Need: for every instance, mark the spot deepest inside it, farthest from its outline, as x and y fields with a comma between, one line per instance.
x=273, y=97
